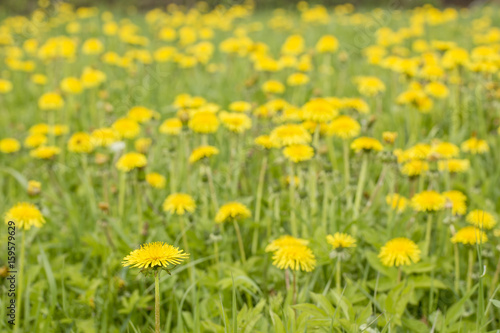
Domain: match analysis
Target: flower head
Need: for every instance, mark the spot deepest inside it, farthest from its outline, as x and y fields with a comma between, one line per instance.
x=50, y=101
x=25, y=215
x=481, y=219
x=156, y=254
x=45, y=152
x=80, y=142
x=126, y=128
x=295, y=257
x=319, y=110
x=298, y=153
x=397, y=202
x=202, y=152
x=366, y=144
x=141, y=114
x=290, y=134
x=232, y=211
x=155, y=180
x=428, y=201
x=457, y=200
x=264, y=141
x=475, y=146
x=9, y=145
x=204, y=122
x=469, y=236
x=398, y=252
x=343, y=127
x=454, y=165
x=179, y=204
x=341, y=241
x=130, y=161
x=285, y=241
x=171, y=126
x=235, y=122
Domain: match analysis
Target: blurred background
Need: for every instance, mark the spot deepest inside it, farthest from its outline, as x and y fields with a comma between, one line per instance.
x=26, y=6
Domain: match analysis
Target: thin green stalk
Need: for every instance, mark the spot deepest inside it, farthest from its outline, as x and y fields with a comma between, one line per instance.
x=260, y=189
x=331, y=152
x=469, y=270
x=338, y=274
x=138, y=198
x=457, y=268
x=20, y=278
x=291, y=188
x=494, y=281
x=361, y=184
x=240, y=241
x=400, y=272
x=294, y=298
x=213, y=194
x=428, y=232
x=88, y=185
x=157, y=301
x=347, y=175
x=121, y=194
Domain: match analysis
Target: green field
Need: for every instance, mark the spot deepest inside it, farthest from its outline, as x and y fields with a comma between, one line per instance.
x=306, y=169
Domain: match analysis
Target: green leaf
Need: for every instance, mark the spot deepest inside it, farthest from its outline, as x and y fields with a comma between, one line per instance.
x=310, y=309
x=277, y=323
x=456, y=310
x=324, y=303
x=375, y=263
x=495, y=302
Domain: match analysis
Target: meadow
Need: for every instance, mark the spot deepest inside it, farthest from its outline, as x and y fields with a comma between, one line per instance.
x=230, y=169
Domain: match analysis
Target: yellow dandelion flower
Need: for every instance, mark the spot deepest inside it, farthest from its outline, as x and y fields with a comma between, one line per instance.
x=35, y=140
x=171, y=126
x=389, y=137
x=131, y=161
x=204, y=122
x=369, y=85
x=298, y=153
x=290, y=134
x=240, y=106
x=343, y=127
x=297, y=79
x=235, y=122
x=232, y=211
x=454, y=165
x=156, y=254
x=397, y=202
x=9, y=145
x=295, y=257
x=428, y=201
x=50, y=101
x=39, y=129
x=366, y=144
x=414, y=168
x=80, y=142
x=445, y=150
x=341, y=240
x=318, y=110
x=399, y=252
x=156, y=180
x=481, y=219
x=141, y=114
x=469, y=236
x=104, y=137
x=71, y=85
x=285, y=241
x=457, y=200
x=202, y=152
x=142, y=145
x=25, y=215
x=265, y=141
x=179, y=204
x=34, y=187
x=45, y=152
x=59, y=129
x=475, y=146
x=126, y=128
x=273, y=87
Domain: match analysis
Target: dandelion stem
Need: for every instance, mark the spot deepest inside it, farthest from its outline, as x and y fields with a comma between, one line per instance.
x=291, y=188
x=469, y=271
x=331, y=153
x=361, y=183
x=260, y=189
x=121, y=194
x=457, y=268
x=347, y=176
x=240, y=241
x=21, y=275
x=338, y=273
x=212, y=188
x=138, y=198
x=400, y=272
x=294, y=298
x=157, y=301
x=88, y=185
x=428, y=232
